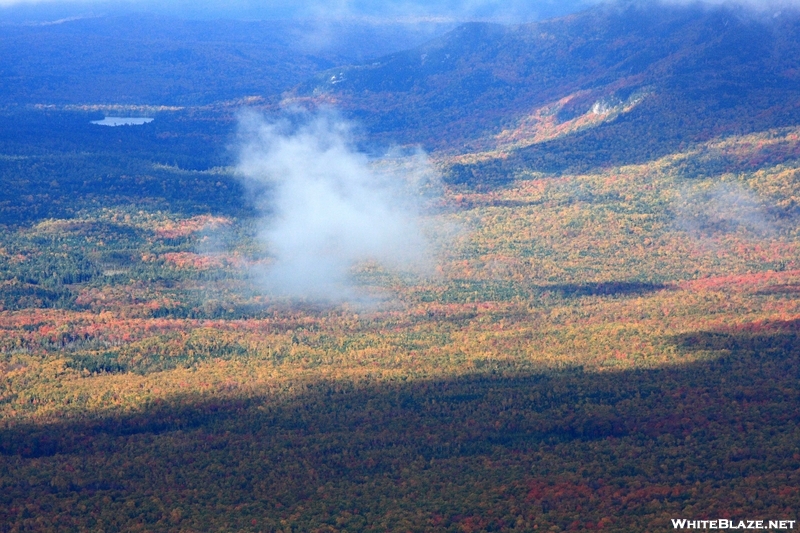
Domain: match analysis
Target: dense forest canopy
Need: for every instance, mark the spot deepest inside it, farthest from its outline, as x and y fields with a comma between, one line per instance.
x=604, y=335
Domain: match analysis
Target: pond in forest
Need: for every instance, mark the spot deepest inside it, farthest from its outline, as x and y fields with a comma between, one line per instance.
x=122, y=121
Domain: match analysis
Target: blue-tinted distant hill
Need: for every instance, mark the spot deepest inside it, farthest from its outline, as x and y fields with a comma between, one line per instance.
x=144, y=59
x=599, y=88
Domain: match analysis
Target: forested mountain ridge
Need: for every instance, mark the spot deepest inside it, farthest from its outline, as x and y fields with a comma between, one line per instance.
x=147, y=59
x=662, y=75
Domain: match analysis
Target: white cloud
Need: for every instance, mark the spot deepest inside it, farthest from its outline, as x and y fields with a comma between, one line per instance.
x=508, y=11
x=326, y=208
x=752, y=4
x=722, y=208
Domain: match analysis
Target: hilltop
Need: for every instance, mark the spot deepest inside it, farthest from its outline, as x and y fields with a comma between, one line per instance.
x=605, y=86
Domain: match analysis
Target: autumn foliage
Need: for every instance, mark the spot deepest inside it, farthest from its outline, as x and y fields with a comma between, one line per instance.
x=600, y=351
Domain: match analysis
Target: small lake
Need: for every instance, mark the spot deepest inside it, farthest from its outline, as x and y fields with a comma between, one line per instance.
x=122, y=121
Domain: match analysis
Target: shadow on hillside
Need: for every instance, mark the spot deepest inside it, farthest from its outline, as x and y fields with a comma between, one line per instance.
x=717, y=421
x=790, y=288
x=605, y=288
x=763, y=355
x=662, y=125
x=464, y=291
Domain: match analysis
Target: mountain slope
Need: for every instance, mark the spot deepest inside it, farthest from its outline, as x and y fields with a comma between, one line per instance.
x=145, y=59
x=576, y=92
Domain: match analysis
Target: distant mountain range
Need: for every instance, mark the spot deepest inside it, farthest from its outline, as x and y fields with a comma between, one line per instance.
x=606, y=86
x=145, y=59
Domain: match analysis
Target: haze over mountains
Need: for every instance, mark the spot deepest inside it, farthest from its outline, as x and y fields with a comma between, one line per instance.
x=623, y=84
x=610, y=85
x=144, y=59
x=194, y=53
x=666, y=73
x=27, y=11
